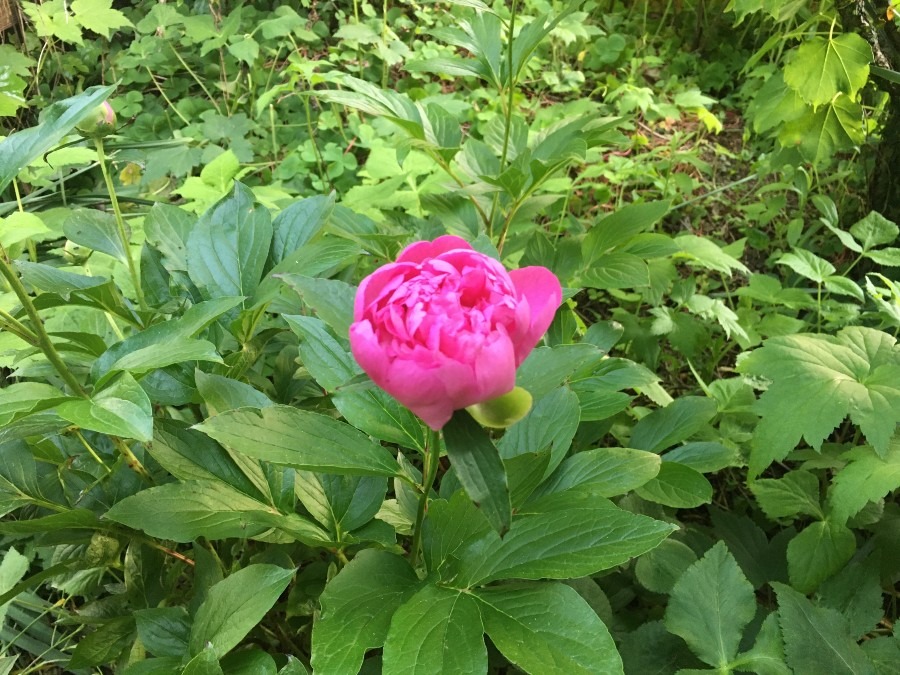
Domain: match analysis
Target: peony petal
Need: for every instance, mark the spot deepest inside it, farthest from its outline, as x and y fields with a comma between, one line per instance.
x=423, y=250
x=374, y=285
x=420, y=385
x=540, y=288
x=367, y=352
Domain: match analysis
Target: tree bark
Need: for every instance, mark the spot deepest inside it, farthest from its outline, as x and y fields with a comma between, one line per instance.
x=869, y=19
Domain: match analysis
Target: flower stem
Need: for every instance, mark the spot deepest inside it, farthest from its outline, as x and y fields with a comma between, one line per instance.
x=120, y=225
x=37, y=326
x=432, y=455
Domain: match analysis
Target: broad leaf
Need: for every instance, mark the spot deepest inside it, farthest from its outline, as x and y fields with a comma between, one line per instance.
x=300, y=439
x=299, y=223
x=676, y=422
x=867, y=478
x=817, y=553
x=357, y=606
x=121, y=409
x=477, y=464
x=822, y=67
x=678, y=486
x=96, y=230
x=608, y=472
x=658, y=570
x=235, y=605
x=796, y=493
x=816, y=639
x=816, y=381
x=438, y=630
x=229, y=245
x=164, y=631
x=619, y=227
x=547, y=627
x=710, y=605
x=331, y=299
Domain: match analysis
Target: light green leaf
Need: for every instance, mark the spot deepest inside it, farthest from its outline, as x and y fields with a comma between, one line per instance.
x=156, y=356
x=546, y=628
x=235, y=605
x=816, y=381
x=819, y=134
x=703, y=252
x=822, y=67
x=796, y=493
x=438, y=630
x=617, y=270
x=357, y=607
x=99, y=16
x=222, y=393
x=678, y=486
x=21, y=225
x=874, y=230
x=618, y=228
x=326, y=359
x=767, y=655
x=21, y=398
x=817, y=553
x=331, y=299
x=23, y=147
x=12, y=569
x=300, y=439
x=816, y=639
x=867, y=478
x=808, y=265
x=710, y=605
x=121, y=409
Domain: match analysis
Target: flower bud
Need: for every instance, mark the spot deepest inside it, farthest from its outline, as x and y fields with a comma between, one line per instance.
x=101, y=122
x=503, y=411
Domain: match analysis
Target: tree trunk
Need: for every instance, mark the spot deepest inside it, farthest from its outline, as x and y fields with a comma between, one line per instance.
x=869, y=19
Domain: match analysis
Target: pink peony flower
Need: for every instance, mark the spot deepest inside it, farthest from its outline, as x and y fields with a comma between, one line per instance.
x=445, y=327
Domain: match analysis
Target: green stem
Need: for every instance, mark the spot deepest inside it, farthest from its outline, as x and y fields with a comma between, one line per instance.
x=20, y=330
x=130, y=459
x=120, y=225
x=432, y=455
x=40, y=333
x=511, y=91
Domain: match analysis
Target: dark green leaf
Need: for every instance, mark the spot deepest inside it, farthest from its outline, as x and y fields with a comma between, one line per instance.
x=608, y=472
x=105, y=644
x=332, y=300
x=678, y=486
x=357, y=606
x=678, y=421
x=235, y=605
x=619, y=227
x=164, y=631
x=299, y=223
x=818, y=552
x=478, y=467
x=96, y=230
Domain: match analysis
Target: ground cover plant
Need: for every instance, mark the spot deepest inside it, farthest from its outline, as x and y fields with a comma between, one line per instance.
x=535, y=337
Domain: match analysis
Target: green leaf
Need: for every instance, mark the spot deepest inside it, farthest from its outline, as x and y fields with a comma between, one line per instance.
x=767, y=655
x=796, y=493
x=619, y=227
x=678, y=486
x=235, y=605
x=21, y=225
x=550, y=425
x=228, y=247
x=867, y=478
x=874, y=230
x=704, y=456
x=450, y=528
x=21, y=398
x=617, y=270
x=819, y=134
x=816, y=639
x=357, y=607
x=205, y=663
x=326, y=359
x=816, y=381
x=822, y=67
x=23, y=147
x=12, y=569
x=567, y=535
x=299, y=223
x=855, y=592
x=167, y=228
x=477, y=464
x=222, y=393
x=608, y=472
x=808, y=265
x=186, y=510
x=300, y=439
x=678, y=421
x=332, y=300
x=659, y=569
x=438, y=630
x=546, y=628
x=705, y=253
x=103, y=645
x=99, y=16
x=710, y=606
x=154, y=356
x=164, y=631
x=121, y=409
x=340, y=503
x=817, y=553
x=377, y=413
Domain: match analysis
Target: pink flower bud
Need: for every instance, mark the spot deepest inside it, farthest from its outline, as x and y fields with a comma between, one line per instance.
x=445, y=327
x=101, y=121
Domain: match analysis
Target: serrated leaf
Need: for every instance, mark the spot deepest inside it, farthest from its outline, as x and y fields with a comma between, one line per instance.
x=818, y=380
x=807, y=264
x=855, y=592
x=299, y=223
x=547, y=627
x=617, y=270
x=300, y=439
x=357, y=607
x=817, y=553
x=822, y=67
x=874, y=230
x=99, y=16
x=235, y=605
x=867, y=478
x=438, y=630
x=831, y=128
x=796, y=493
x=704, y=253
x=710, y=605
x=816, y=639
x=767, y=655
